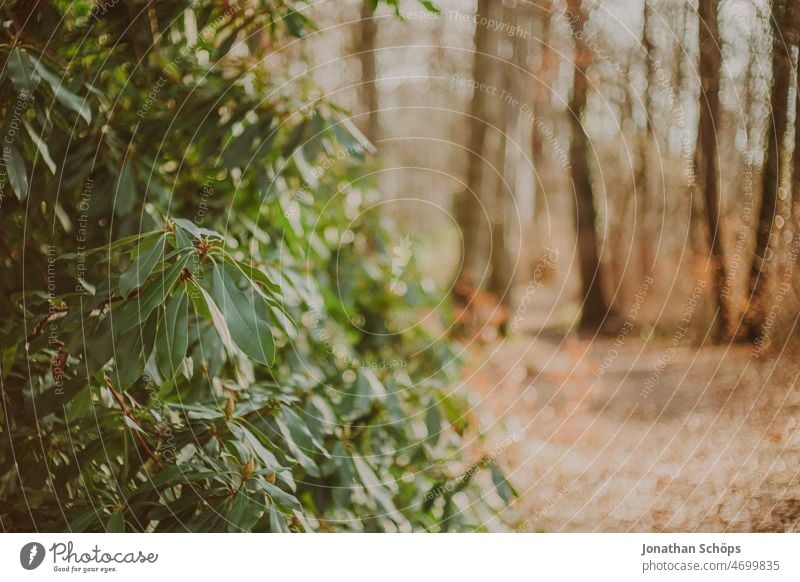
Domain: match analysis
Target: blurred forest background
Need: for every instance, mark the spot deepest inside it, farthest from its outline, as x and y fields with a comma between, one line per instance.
x=610, y=192
x=401, y=266
x=660, y=136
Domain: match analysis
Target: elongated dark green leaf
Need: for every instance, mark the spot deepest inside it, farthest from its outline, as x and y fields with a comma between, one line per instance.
x=182, y=240
x=173, y=335
x=245, y=512
x=259, y=275
x=300, y=431
x=277, y=522
x=431, y=7
x=194, y=230
x=97, y=345
x=198, y=411
x=360, y=396
x=255, y=446
x=63, y=95
x=22, y=71
x=116, y=523
x=217, y=318
x=142, y=266
x=373, y=485
x=17, y=174
x=433, y=423
x=226, y=45
x=278, y=495
x=131, y=352
x=84, y=520
x=186, y=473
x=296, y=450
x=245, y=315
x=52, y=400
x=41, y=145
x=504, y=489
x=139, y=309
x=126, y=189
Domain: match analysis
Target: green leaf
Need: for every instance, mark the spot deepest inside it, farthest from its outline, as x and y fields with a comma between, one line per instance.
x=173, y=335
x=131, y=352
x=295, y=23
x=297, y=452
x=245, y=512
x=41, y=146
x=194, y=230
x=9, y=354
x=126, y=189
x=255, y=446
x=245, y=315
x=430, y=6
x=22, y=71
x=433, y=423
x=142, y=266
x=217, y=319
x=17, y=174
x=116, y=523
x=186, y=473
x=504, y=489
x=182, y=240
x=54, y=399
x=277, y=522
x=83, y=521
x=226, y=45
x=278, y=495
x=139, y=309
x=300, y=431
x=373, y=485
x=198, y=411
x=360, y=396
x=64, y=96
x=260, y=276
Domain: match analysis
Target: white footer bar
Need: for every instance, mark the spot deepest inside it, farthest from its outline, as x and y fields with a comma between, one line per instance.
x=384, y=557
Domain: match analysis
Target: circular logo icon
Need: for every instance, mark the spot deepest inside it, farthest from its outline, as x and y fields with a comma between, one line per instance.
x=31, y=555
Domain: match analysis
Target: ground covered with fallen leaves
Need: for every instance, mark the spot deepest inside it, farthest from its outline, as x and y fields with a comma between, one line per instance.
x=619, y=433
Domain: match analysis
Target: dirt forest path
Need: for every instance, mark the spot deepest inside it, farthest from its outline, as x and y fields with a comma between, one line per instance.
x=622, y=434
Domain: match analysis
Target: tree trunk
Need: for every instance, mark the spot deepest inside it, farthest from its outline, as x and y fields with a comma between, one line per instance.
x=469, y=209
x=505, y=160
x=642, y=176
x=768, y=229
x=707, y=157
x=540, y=116
x=793, y=16
x=548, y=64
x=594, y=309
x=368, y=30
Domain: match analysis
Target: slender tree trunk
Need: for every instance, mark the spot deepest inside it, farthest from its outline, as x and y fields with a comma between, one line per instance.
x=469, y=209
x=795, y=15
x=505, y=158
x=707, y=156
x=768, y=228
x=792, y=38
x=542, y=15
x=544, y=72
x=500, y=276
x=642, y=177
x=594, y=310
x=624, y=209
x=368, y=30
